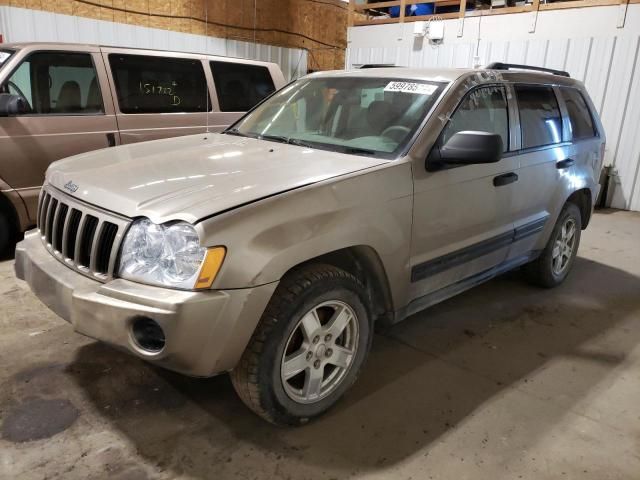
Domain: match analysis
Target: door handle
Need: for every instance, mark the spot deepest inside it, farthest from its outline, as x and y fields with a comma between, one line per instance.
x=566, y=163
x=504, y=179
x=111, y=139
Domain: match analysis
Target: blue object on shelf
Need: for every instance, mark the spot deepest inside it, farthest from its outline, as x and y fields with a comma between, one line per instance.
x=421, y=9
x=413, y=10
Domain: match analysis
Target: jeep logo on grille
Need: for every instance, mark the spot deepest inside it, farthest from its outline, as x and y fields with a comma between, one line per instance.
x=72, y=187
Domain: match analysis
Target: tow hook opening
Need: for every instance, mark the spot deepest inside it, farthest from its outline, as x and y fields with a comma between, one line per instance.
x=148, y=334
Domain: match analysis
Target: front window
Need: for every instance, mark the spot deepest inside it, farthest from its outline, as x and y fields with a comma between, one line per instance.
x=4, y=56
x=365, y=116
x=57, y=83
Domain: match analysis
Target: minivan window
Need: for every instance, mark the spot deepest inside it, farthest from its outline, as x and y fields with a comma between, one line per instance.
x=358, y=115
x=152, y=84
x=57, y=83
x=540, y=119
x=240, y=86
x=580, y=119
x=483, y=109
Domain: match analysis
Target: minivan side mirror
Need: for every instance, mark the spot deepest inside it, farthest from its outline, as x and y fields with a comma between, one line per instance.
x=12, y=105
x=467, y=148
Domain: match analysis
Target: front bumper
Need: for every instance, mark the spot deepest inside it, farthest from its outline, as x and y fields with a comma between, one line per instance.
x=206, y=331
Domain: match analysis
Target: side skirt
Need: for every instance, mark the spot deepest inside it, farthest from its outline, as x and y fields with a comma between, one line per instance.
x=438, y=296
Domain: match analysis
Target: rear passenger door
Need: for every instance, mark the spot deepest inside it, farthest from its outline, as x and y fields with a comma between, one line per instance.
x=239, y=87
x=158, y=96
x=70, y=112
x=544, y=155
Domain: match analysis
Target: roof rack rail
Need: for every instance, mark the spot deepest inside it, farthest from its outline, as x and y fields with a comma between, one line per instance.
x=376, y=65
x=509, y=66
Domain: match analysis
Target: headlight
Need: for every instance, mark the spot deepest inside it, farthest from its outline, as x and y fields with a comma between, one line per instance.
x=168, y=255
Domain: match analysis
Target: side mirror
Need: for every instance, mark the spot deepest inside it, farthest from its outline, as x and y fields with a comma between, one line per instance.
x=467, y=148
x=12, y=105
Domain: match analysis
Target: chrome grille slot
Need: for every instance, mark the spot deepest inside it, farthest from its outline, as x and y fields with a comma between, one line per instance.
x=72, y=232
x=43, y=215
x=80, y=235
x=58, y=226
x=51, y=213
x=105, y=244
x=86, y=240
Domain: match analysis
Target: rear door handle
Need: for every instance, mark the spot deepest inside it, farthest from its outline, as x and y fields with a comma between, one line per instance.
x=566, y=163
x=111, y=139
x=504, y=179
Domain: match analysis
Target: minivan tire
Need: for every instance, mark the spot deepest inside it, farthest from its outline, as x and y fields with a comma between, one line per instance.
x=541, y=272
x=6, y=234
x=259, y=377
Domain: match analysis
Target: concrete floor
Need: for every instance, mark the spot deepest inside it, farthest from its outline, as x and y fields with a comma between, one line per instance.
x=503, y=382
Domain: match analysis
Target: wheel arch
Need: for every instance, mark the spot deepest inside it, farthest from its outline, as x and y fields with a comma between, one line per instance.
x=363, y=262
x=582, y=199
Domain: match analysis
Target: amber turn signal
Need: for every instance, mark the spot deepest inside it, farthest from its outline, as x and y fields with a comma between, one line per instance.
x=210, y=267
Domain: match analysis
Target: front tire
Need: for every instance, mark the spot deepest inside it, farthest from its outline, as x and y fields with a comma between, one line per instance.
x=553, y=265
x=308, y=348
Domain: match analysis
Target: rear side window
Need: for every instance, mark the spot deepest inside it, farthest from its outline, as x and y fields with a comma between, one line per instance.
x=240, y=86
x=483, y=110
x=150, y=84
x=540, y=119
x=57, y=83
x=580, y=119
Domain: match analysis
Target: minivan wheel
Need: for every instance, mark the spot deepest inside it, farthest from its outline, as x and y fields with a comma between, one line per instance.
x=555, y=262
x=308, y=348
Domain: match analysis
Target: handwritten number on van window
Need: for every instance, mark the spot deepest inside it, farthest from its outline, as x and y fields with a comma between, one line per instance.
x=151, y=88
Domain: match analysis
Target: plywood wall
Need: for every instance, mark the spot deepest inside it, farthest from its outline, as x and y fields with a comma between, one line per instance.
x=318, y=26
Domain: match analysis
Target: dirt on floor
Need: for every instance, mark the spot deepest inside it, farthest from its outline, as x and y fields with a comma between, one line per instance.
x=505, y=381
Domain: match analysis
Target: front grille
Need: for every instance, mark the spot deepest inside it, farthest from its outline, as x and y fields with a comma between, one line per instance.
x=83, y=237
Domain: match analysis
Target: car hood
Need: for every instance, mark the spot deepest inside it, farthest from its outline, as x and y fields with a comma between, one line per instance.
x=188, y=178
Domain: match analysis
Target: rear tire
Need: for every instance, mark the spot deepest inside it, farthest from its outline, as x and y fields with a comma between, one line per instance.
x=553, y=265
x=308, y=348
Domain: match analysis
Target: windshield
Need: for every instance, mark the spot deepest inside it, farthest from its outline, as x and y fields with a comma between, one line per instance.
x=4, y=56
x=360, y=115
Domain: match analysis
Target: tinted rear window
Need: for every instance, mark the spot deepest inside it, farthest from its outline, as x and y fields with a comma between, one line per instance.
x=149, y=84
x=240, y=86
x=580, y=119
x=540, y=119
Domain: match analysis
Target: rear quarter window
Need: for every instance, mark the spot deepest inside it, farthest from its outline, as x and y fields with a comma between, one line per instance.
x=580, y=118
x=540, y=118
x=241, y=86
x=151, y=84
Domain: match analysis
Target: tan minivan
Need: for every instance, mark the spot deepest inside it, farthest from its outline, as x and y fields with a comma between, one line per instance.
x=58, y=100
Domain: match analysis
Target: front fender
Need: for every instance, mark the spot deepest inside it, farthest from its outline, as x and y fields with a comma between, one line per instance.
x=267, y=238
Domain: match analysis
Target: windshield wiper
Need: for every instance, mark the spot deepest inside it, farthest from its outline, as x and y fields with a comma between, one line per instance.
x=359, y=151
x=283, y=139
x=234, y=131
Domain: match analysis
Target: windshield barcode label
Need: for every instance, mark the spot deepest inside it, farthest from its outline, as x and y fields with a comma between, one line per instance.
x=408, y=87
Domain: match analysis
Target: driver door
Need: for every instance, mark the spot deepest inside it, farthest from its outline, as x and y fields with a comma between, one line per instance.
x=462, y=217
x=70, y=112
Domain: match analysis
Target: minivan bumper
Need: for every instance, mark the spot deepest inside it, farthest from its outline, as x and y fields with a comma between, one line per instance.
x=206, y=332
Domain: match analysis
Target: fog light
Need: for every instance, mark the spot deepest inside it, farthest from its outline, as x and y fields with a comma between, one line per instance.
x=148, y=334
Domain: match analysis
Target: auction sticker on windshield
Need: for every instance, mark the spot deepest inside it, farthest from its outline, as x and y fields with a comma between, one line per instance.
x=410, y=87
x=4, y=56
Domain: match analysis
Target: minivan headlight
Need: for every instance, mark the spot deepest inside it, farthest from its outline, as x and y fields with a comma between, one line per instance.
x=168, y=256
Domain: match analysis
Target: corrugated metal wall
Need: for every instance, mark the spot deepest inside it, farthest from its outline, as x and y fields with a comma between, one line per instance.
x=24, y=25
x=586, y=42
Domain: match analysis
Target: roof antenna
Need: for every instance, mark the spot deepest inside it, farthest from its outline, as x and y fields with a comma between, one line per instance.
x=206, y=49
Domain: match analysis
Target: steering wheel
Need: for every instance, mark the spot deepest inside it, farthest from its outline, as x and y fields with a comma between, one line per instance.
x=395, y=132
x=20, y=94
